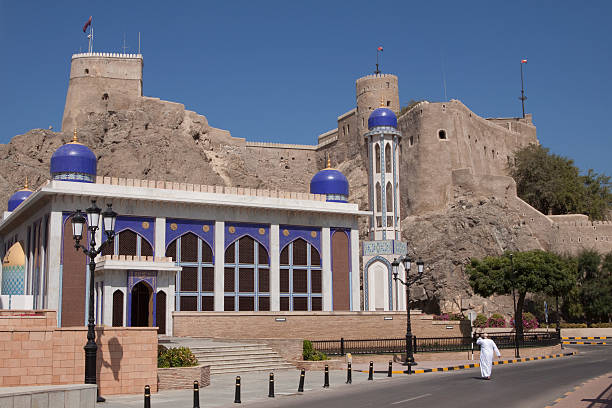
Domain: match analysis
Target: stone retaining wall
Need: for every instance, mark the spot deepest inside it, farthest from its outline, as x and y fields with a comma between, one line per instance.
x=176, y=378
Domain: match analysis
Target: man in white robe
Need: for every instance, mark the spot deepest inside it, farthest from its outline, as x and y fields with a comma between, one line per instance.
x=487, y=348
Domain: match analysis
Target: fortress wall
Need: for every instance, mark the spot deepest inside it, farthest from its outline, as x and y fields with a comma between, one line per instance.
x=369, y=90
x=100, y=83
x=470, y=142
x=573, y=237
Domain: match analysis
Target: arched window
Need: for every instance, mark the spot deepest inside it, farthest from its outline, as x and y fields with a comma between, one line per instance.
x=300, y=277
x=247, y=276
x=377, y=155
x=129, y=243
x=388, y=158
x=160, y=312
x=195, y=283
x=117, y=308
x=378, y=198
x=389, y=197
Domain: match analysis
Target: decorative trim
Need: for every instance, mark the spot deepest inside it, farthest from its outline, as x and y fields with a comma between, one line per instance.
x=366, y=278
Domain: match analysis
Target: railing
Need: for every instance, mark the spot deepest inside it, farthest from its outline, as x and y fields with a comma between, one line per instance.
x=429, y=344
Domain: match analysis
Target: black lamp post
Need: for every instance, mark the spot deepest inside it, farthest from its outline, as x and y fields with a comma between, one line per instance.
x=93, y=223
x=516, y=335
x=409, y=281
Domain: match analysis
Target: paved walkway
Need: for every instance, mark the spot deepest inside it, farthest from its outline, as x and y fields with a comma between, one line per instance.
x=595, y=393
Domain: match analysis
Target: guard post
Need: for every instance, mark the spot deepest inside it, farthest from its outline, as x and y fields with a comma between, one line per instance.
x=271, y=386
x=237, y=393
x=147, y=397
x=326, y=379
x=301, y=384
x=196, y=395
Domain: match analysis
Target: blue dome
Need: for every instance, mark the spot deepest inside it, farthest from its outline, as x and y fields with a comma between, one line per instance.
x=75, y=162
x=332, y=183
x=18, y=198
x=382, y=117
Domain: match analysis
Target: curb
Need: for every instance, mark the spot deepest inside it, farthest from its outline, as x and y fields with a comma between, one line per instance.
x=474, y=365
x=587, y=338
x=585, y=342
x=576, y=388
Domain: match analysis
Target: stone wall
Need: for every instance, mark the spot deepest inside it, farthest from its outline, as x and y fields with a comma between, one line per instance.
x=47, y=355
x=182, y=378
x=310, y=325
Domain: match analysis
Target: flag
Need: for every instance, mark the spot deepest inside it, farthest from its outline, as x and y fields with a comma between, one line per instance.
x=523, y=61
x=87, y=24
x=380, y=48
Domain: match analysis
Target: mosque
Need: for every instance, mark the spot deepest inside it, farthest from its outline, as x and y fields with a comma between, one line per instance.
x=187, y=247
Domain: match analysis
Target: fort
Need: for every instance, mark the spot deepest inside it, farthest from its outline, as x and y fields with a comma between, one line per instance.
x=450, y=159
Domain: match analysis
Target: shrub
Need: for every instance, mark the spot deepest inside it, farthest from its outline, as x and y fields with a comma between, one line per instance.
x=496, y=320
x=529, y=321
x=176, y=357
x=573, y=325
x=602, y=325
x=480, y=321
x=161, y=349
x=443, y=316
x=309, y=353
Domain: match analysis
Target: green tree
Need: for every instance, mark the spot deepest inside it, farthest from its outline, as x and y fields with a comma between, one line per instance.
x=595, y=286
x=523, y=272
x=553, y=184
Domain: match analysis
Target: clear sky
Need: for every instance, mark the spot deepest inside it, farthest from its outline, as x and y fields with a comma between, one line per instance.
x=282, y=71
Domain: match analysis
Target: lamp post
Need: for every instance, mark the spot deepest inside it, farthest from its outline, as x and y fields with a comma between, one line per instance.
x=93, y=222
x=409, y=281
x=516, y=336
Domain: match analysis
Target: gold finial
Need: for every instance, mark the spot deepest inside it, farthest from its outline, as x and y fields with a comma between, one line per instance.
x=382, y=101
x=75, y=139
x=328, y=162
x=26, y=186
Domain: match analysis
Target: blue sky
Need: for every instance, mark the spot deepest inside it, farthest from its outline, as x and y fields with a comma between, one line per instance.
x=283, y=71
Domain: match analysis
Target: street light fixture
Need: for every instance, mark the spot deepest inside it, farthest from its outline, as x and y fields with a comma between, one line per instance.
x=409, y=281
x=93, y=223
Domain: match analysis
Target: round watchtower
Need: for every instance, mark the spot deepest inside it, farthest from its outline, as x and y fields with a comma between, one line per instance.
x=101, y=82
x=371, y=90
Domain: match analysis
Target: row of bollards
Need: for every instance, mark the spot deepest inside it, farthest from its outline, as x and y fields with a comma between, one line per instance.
x=349, y=380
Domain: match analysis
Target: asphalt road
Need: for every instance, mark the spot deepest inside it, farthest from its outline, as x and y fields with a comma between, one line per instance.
x=529, y=384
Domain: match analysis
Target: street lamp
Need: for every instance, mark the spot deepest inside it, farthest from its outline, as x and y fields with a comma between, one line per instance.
x=409, y=281
x=93, y=223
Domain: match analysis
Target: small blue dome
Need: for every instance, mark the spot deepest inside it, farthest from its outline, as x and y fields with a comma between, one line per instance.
x=332, y=183
x=75, y=162
x=382, y=117
x=17, y=198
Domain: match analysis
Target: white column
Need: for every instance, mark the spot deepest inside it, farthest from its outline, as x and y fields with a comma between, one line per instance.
x=219, y=264
x=274, y=268
x=107, y=293
x=160, y=237
x=54, y=249
x=327, y=272
x=355, y=271
x=170, y=303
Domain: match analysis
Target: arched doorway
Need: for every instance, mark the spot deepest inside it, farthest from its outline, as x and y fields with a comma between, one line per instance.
x=160, y=313
x=142, y=305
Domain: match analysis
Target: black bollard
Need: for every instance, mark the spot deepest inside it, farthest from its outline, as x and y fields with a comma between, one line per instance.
x=196, y=395
x=349, y=374
x=326, y=382
x=409, y=368
x=147, y=397
x=271, y=386
x=237, y=394
x=301, y=386
x=371, y=371
x=390, y=372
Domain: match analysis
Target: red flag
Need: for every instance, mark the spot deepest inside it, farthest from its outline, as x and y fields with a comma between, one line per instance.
x=523, y=61
x=87, y=24
x=380, y=48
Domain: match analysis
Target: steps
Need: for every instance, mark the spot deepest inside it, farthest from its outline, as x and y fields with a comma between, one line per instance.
x=226, y=357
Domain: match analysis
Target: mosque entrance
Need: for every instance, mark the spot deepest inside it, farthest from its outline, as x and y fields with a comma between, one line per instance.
x=142, y=305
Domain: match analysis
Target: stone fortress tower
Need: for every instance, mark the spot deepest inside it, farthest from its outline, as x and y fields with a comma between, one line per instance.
x=101, y=82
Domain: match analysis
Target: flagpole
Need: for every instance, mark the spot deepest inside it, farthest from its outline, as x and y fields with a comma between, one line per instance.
x=377, y=72
x=523, y=97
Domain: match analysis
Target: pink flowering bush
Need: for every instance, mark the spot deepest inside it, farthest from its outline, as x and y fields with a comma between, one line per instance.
x=529, y=321
x=496, y=320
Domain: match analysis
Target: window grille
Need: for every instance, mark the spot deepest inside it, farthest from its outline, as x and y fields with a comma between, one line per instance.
x=189, y=303
x=300, y=277
x=127, y=243
x=189, y=248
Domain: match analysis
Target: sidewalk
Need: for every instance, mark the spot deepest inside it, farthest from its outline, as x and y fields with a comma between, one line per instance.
x=448, y=365
x=595, y=393
x=254, y=387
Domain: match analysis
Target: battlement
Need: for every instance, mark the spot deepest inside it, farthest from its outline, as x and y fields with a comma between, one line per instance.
x=281, y=145
x=106, y=55
x=374, y=76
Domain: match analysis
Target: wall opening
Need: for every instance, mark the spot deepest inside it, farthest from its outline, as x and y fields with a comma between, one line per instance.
x=118, y=308
x=442, y=134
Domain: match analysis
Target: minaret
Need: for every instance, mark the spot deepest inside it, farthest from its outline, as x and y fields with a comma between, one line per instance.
x=380, y=291
x=383, y=156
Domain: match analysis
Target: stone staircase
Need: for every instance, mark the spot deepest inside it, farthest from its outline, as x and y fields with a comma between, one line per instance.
x=230, y=357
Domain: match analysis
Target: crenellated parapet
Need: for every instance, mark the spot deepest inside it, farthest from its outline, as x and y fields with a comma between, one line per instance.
x=105, y=55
